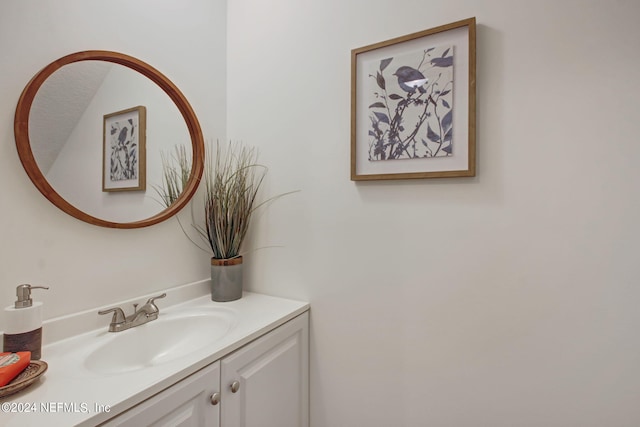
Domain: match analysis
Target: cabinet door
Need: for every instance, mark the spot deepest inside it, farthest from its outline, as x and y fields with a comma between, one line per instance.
x=270, y=377
x=185, y=404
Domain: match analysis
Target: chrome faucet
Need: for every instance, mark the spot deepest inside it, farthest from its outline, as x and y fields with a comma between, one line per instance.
x=146, y=313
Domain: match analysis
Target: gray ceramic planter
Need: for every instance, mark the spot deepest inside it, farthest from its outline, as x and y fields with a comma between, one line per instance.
x=226, y=279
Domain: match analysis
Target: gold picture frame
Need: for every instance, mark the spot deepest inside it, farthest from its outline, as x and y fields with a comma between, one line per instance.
x=124, y=165
x=413, y=105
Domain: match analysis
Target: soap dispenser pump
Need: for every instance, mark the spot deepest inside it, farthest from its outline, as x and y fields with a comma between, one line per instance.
x=23, y=323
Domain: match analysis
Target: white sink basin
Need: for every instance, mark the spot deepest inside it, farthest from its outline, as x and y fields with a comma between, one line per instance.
x=168, y=338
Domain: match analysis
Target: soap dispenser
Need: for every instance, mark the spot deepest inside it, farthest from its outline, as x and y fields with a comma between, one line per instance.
x=23, y=323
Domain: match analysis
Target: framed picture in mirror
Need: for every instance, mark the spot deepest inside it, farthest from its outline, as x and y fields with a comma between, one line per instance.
x=124, y=150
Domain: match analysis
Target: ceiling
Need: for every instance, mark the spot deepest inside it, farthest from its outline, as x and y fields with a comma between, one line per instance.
x=59, y=105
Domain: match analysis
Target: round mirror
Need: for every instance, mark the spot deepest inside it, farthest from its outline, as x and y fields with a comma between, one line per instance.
x=95, y=132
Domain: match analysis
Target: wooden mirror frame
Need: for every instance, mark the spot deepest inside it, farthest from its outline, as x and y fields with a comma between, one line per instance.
x=23, y=143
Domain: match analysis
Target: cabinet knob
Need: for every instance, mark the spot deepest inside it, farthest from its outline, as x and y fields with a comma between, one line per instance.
x=215, y=398
x=235, y=386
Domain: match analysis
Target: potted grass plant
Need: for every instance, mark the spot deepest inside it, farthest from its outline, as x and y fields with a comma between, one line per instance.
x=232, y=178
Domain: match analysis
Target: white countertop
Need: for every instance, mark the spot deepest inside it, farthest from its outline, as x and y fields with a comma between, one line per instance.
x=70, y=395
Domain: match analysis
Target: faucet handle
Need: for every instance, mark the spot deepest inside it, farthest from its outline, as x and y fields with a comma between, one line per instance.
x=118, y=314
x=152, y=299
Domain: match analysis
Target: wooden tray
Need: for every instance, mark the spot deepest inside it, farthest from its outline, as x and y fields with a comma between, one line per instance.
x=27, y=377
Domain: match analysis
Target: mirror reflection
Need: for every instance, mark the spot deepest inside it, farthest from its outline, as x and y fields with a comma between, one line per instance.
x=66, y=132
x=94, y=130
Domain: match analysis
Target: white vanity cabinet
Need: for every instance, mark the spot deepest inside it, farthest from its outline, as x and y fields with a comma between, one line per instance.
x=262, y=384
x=266, y=383
x=187, y=404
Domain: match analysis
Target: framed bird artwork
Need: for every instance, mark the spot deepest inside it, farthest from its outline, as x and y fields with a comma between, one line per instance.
x=124, y=150
x=413, y=105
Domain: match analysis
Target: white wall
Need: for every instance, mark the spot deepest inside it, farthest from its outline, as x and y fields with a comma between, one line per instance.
x=507, y=299
x=88, y=266
x=510, y=299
